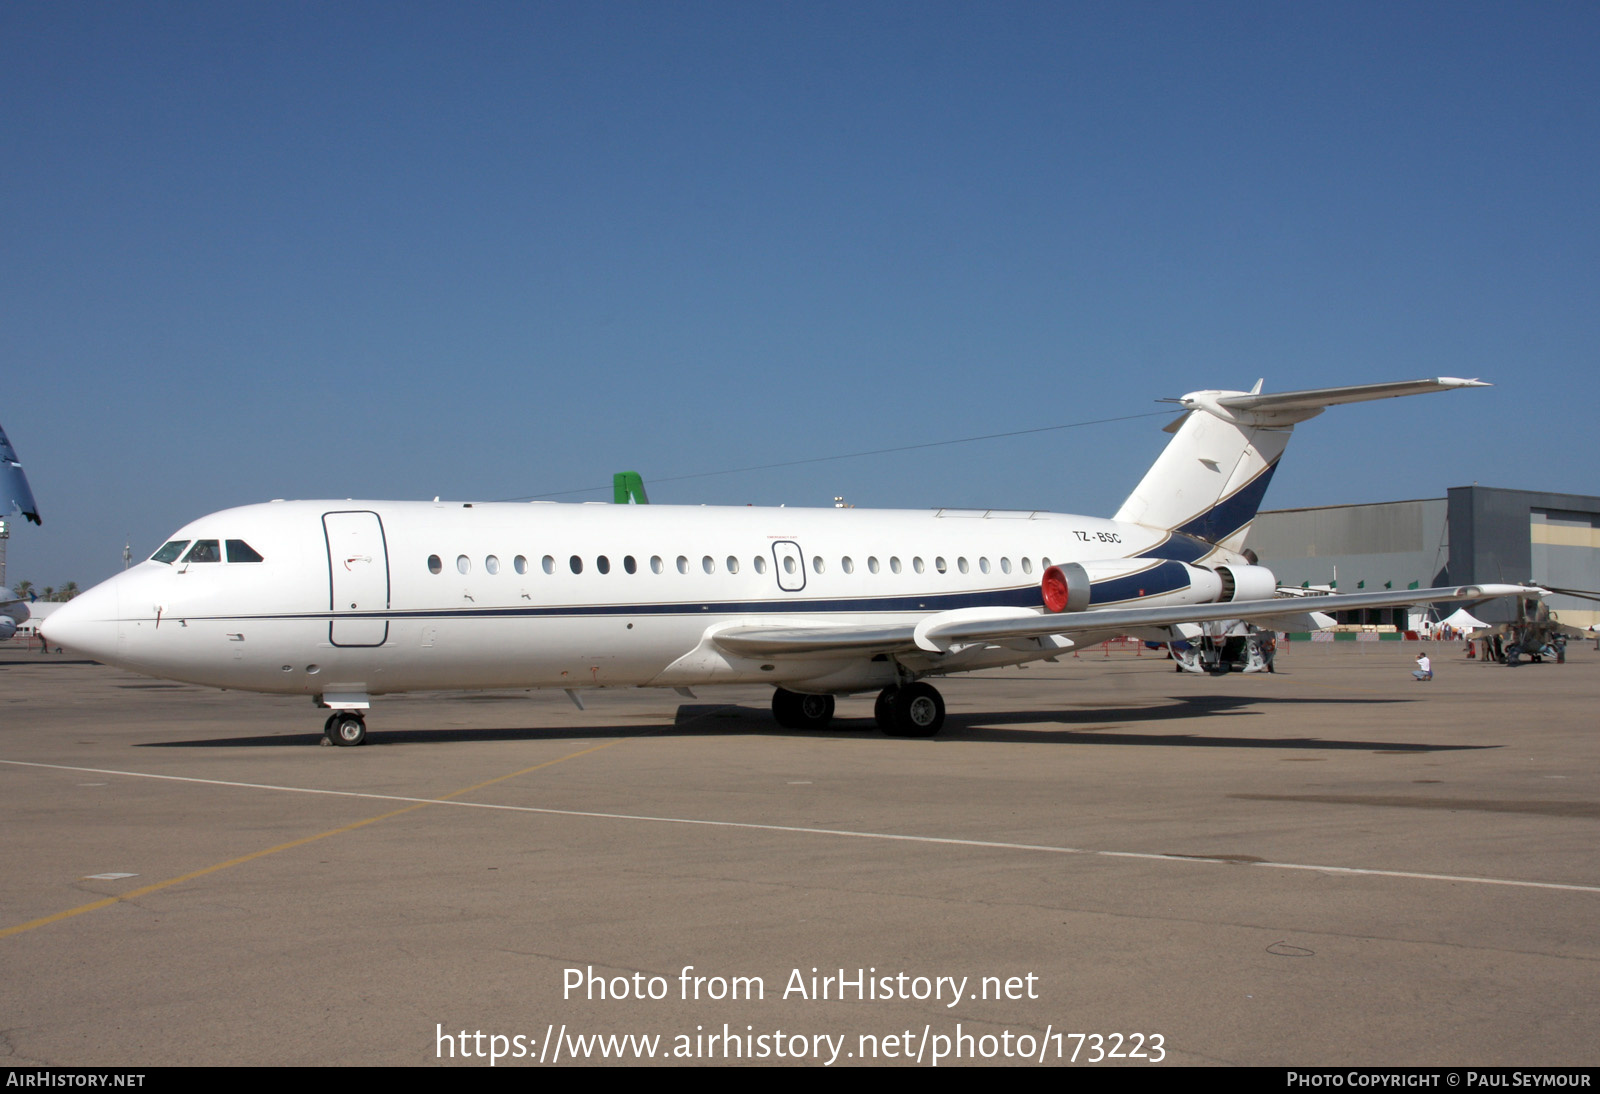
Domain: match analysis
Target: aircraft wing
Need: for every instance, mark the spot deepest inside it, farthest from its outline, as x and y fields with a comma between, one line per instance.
x=941, y=631
x=753, y=641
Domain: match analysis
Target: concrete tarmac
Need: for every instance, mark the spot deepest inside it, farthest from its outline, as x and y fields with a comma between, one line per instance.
x=1332, y=865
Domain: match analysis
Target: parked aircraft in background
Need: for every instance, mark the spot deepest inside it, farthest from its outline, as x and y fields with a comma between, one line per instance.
x=346, y=600
x=1535, y=634
x=13, y=613
x=15, y=497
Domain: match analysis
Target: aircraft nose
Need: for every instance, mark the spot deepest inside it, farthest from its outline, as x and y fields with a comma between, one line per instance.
x=87, y=624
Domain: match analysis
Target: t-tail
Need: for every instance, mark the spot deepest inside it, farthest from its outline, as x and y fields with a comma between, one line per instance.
x=1210, y=479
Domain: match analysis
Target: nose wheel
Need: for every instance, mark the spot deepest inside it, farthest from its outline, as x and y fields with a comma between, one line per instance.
x=345, y=728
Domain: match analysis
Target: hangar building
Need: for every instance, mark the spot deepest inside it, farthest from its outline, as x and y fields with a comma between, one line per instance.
x=1474, y=533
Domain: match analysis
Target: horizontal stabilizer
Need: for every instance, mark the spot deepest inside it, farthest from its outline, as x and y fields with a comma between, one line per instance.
x=1317, y=398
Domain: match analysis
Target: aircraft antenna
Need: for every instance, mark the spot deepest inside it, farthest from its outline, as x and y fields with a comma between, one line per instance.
x=856, y=455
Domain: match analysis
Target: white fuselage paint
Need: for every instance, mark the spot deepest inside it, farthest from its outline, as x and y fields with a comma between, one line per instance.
x=344, y=599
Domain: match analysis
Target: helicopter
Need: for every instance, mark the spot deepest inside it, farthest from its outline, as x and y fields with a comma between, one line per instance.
x=1535, y=633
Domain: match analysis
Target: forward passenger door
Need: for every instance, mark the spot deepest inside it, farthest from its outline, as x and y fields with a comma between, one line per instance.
x=358, y=578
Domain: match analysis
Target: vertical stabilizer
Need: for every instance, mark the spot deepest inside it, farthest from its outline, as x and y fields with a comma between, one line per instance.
x=15, y=497
x=1210, y=479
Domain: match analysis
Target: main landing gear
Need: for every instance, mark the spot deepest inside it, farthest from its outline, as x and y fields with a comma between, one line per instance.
x=913, y=710
x=796, y=711
x=346, y=728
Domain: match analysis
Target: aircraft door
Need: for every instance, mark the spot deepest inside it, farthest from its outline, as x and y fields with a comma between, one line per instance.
x=358, y=578
x=790, y=565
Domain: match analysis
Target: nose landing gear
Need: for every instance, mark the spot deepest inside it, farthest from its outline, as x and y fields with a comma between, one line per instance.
x=345, y=728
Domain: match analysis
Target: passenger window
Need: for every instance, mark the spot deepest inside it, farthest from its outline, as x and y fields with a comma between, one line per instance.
x=240, y=551
x=1027, y=565
x=492, y=564
x=961, y=564
x=520, y=564
x=894, y=564
x=733, y=565
x=788, y=564
x=629, y=564
x=463, y=564
x=708, y=564
x=847, y=565
x=816, y=563
x=603, y=564
x=1045, y=562
x=170, y=551
x=548, y=565
x=761, y=565
x=656, y=565
x=1005, y=565
x=683, y=564
x=938, y=564
x=204, y=550
x=872, y=564
x=576, y=564
x=916, y=564
x=434, y=564
x=983, y=565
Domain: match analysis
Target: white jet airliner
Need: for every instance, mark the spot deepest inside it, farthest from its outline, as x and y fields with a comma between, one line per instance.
x=346, y=600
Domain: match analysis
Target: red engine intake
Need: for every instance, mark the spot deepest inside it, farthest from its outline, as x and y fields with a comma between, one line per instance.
x=1065, y=588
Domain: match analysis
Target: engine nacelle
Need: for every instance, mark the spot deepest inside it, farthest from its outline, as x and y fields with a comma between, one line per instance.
x=1147, y=582
x=8, y=627
x=1244, y=582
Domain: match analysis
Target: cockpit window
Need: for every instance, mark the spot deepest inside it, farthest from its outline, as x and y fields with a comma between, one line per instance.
x=240, y=551
x=170, y=551
x=204, y=550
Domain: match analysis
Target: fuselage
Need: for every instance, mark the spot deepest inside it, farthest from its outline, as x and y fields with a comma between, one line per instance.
x=315, y=597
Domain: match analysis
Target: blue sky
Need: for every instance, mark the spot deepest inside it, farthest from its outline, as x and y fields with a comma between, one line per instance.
x=490, y=251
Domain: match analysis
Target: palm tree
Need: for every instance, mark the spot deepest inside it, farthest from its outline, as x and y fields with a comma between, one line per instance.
x=23, y=588
x=68, y=591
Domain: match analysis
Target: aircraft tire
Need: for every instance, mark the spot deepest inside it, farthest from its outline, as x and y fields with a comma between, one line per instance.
x=883, y=708
x=346, y=729
x=916, y=711
x=795, y=711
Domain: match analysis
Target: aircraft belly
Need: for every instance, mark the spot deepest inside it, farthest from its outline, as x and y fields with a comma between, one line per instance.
x=548, y=651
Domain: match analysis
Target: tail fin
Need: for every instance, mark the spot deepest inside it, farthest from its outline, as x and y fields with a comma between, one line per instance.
x=1210, y=479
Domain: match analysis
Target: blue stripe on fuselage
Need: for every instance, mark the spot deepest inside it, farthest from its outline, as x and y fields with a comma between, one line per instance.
x=1163, y=577
x=1026, y=596
x=1178, y=547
